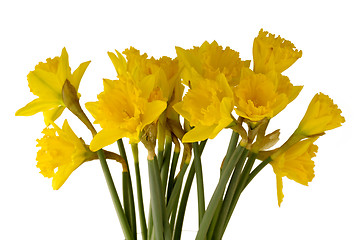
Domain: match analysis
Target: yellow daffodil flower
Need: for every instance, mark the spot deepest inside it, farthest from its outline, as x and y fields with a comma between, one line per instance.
x=61, y=149
x=260, y=96
x=156, y=78
x=294, y=163
x=159, y=79
x=46, y=82
x=207, y=107
x=122, y=110
x=209, y=60
x=321, y=115
x=273, y=54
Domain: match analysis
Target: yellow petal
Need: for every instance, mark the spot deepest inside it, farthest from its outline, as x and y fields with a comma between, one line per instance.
x=147, y=85
x=119, y=62
x=279, y=190
x=63, y=72
x=36, y=106
x=106, y=137
x=190, y=59
x=198, y=133
x=44, y=84
x=51, y=115
x=78, y=74
x=62, y=175
x=92, y=108
x=152, y=111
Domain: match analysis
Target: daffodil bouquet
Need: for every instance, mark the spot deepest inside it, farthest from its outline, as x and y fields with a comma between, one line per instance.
x=146, y=103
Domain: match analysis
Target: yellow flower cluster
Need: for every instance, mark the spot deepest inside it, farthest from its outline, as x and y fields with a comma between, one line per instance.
x=146, y=100
x=255, y=95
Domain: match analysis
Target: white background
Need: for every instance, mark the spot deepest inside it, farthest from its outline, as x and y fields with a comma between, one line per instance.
x=326, y=31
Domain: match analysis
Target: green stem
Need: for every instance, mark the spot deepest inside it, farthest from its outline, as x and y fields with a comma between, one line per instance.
x=236, y=178
x=173, y=201
x=240, y=187
x=214, y=220
x=156, y=199
x=126, y=203
x=202, y=145
x=231, y=146
x=218, y=194
x=150, y=223
x=166, y=161
x=183, y=203
x=171, y=174
x=257, y=169
x=161, y=224
x=199, y=177
x=122, y=150
x=128, y=191
x=113, y=192
x=143, y=224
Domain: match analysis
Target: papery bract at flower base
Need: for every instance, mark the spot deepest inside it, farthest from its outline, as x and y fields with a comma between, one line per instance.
x=273, y=54
x=295, y=163
x=61, y=149
x=207, y=107
x=321, y=115
x=122, y=111
x=259, y=96
x=209, y=60
x=46, y=82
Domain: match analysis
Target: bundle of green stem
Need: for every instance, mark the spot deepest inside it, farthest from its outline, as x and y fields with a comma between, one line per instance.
x=146, y=104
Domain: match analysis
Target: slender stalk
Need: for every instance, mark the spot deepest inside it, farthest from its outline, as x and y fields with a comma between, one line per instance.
x=236, y=177
x=113, y=192
x=125, y=185
x=214, y=220
x=150, y=222
x=122, y=150
x=161, y=224
x=173, y=201
x=166, y=161
x=199, y=177
x=218, y=193
x=143, y=224
x=156, y=199
x=161, y=141
x=240, y=187
x=166, y=227
x=128, y=191
x=202, y=145
x=171, y=173
x=231, y=146
x=257, y=169
x=183, y=204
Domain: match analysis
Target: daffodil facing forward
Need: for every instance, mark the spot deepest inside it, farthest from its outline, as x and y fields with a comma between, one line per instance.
x=207, y=107
x=122, y=110
x=295, y=163
x=272, y=53
x=321, y=115
x=46, y=82
x=61, y=149
x=259, y=96
x=209, y=60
